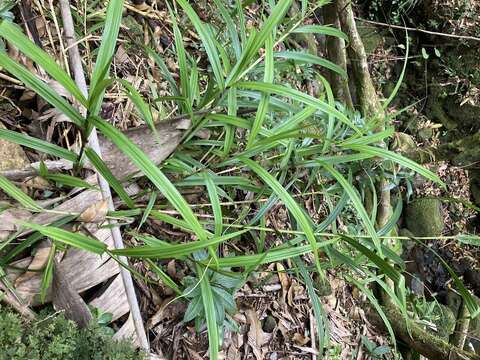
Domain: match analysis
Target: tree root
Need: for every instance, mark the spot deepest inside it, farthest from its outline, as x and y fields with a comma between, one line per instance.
x=420, y=340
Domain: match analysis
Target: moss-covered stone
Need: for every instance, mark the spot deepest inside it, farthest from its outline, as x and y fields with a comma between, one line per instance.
x=463, y=151
x=424, y=217
x=371, y=36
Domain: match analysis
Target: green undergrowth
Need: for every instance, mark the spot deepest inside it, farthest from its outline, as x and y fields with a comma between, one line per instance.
x=51, y=336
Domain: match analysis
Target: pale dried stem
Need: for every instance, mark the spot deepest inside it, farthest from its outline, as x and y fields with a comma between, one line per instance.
x=76, y=64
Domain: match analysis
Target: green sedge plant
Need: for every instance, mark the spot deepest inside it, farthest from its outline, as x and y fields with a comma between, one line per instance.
x=293, y=144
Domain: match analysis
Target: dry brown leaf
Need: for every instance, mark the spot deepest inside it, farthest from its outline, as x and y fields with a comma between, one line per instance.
x=282, y=275
x=95, y=213
x=300, y=339
x=171, y=269
x=67, y=299
x=121, y=55
x=284, y=280
x=27, y=95
x=233, y=353
x=142, y=6
x=38, y=263
x=36, y=182
x=193, y=354
x=257, y=338
x=41, y=27
x=9, y=221
x=160, y=314
x=156, y=149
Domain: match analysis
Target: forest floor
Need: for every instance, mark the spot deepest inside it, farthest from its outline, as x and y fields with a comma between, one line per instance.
x=275, y=317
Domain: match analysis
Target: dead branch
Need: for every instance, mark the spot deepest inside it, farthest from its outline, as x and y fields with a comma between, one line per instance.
x=65, y=297
x=398, y=27
x=79, y=75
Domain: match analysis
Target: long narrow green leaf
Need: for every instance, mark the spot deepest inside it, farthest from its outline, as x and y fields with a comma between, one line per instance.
x=181, y=224
x=232, y=111
x=105, y=53
x=31, y=240
x=102, y=168
x=263, y=106
x=210, y=314
x=320, y=316
x=75, y=239
x=331, y=120
x=273, y=255
x=215, y=201
x=383, y=265
x=148, y=209
x=182, y=61
x=207, y=40
x=369, y=139
x=290, y=203
x=41, y=88
x=10, y=189
x=357, y=203
x=257, y=40
x=152, y=172
x=139, y=103
x=47, y=274
x=14, y=35
x=295, y=120
x=390, y=224
x=161, y=251
x=298, y=96
x=68, y=180
x=196, y=180
x=399, y=159
x=241, y=22
x=232, y=31
x=402, y=74
x=37, y=144
x=321, y=29
x=311, y=59
x=164, y=70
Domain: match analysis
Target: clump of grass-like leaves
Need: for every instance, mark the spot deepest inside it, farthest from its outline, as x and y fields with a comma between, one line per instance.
x=292, y=145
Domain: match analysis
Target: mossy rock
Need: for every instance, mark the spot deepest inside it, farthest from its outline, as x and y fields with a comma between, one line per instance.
x=424, y=217
x=54, y=337
x=371, y=37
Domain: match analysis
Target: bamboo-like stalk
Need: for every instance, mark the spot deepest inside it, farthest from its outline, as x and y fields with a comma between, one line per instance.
x=459, y=337
x=79, y=75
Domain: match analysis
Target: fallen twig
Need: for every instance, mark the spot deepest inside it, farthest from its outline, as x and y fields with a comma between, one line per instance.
x=79, y=75
x=399, y=27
